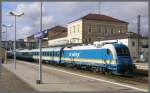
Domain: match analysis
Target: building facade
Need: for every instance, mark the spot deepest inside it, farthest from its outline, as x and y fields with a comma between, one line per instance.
x=57, y=36
x=93, y=27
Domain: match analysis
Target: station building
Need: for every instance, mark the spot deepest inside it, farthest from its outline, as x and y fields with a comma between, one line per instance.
x=87, y=29
x=92, y=27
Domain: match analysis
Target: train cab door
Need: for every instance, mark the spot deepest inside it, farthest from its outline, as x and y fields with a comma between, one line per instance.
x=109, y=56
x=108, y=59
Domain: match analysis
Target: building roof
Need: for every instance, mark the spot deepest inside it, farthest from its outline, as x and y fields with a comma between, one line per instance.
x=100, y=17
x=56, y=28
x=57, y=32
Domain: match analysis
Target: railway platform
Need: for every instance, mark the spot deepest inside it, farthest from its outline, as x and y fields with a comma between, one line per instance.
x=59, y=80
x=9, y=82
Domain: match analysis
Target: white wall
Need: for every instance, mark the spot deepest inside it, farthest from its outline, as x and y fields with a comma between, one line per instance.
x=60, y=41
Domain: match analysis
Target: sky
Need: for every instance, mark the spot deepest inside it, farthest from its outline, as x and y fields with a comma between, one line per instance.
x=61, y=13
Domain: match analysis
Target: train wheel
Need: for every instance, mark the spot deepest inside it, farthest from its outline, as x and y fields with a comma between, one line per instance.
x=95, y=69
x=103, y=70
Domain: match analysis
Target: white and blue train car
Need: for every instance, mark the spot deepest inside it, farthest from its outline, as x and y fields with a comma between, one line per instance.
x=114, y=58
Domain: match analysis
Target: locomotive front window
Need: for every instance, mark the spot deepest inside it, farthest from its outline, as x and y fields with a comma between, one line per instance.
x=109, y=52
x=122, y=51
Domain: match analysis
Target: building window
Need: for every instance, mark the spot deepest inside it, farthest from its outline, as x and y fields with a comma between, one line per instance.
x=99, y=28
x=78, y=27
x=74, y=29
x=133, y=54
x=89, y=39
x=133, y=43
x=106, y=31
x=112, y=31
x=90, y=29
x=70, y=29
x=102, y=30
x=86, y=41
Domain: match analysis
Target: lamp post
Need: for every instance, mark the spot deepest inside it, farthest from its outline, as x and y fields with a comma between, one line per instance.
x=39, y=81
x=15, y=15
x=6, y=26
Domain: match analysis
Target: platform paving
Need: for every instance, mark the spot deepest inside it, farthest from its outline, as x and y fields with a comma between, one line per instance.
x=55, y=80
x=9, y=82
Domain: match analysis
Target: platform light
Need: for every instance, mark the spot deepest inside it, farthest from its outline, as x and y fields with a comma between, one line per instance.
x=15, y=16
x=39, y=81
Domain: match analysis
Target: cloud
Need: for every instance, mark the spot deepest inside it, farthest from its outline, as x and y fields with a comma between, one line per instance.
x=30, y=22
x=46, y=21
x=60, y=13
x=128, y=11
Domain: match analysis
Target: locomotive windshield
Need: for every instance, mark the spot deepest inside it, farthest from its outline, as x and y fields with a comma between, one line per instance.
x=122, y=51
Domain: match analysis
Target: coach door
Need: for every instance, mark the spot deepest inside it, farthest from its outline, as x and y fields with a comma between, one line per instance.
x=61, y=53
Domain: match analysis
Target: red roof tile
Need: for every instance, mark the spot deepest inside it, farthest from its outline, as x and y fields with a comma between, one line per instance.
x=100, y=17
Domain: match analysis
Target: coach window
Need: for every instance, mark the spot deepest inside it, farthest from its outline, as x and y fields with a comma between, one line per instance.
x=46, y=54
x=57, y=53
x=53, y=53
x=49, y=53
